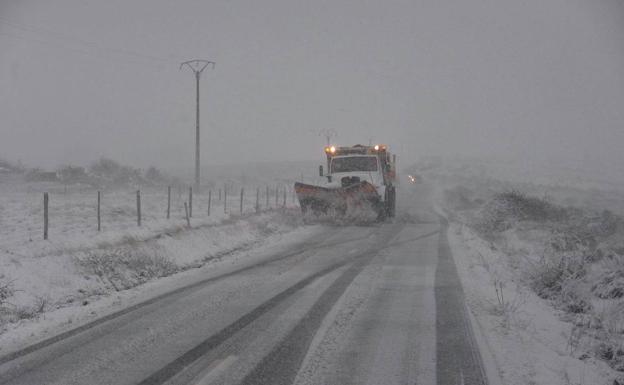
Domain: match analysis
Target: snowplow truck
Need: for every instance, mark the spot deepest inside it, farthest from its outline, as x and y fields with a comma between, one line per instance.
x=360, y=181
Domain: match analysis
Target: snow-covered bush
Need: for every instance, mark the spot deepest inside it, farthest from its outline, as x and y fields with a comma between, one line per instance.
x=124, y=268
x=6, y=291
x=107, y=172
x=506, y=208
x=610, y=347
x=610, y=283
x=9, y=167
x=560, y=278
x=72, y=174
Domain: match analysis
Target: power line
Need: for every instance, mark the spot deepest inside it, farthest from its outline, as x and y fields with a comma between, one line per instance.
x=81, y=51
x=79, y=41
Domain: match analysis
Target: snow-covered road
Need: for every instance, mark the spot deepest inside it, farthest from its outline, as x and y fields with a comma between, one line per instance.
x=375, y=304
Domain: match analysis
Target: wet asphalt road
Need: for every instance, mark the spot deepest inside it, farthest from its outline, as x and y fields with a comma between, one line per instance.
x=377, y=304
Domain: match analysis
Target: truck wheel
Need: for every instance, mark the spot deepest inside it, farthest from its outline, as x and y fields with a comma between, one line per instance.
x=391, y=201
x=382, y=212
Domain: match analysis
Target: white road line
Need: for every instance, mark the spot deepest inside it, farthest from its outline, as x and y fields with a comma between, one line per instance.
x=216, y=370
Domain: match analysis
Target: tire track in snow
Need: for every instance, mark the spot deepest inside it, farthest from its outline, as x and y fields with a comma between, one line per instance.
x=458, y=360
x=305, y=248
x=179, y=364
x=282, y=364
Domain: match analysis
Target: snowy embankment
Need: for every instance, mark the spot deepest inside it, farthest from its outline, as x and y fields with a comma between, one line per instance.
x=543, y=280
x=80, y=273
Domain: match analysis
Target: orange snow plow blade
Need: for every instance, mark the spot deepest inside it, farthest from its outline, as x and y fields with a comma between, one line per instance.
x=356, y=200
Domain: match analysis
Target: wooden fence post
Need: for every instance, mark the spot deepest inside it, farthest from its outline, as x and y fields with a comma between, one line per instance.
x=257, y=199
x=209, y=199
x=98, y=211
x=138, y=203
x=224, y=200
x=267, y=197
x=276, y=196
x=45, y=215
x=186, y=211
x=241, y=200
x=190, y=205
x=284, y=198
x=219, y=195
x=168, y=201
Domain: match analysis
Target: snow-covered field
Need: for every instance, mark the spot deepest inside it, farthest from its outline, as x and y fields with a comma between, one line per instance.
x=79, y=265
x=542, y=265
x=73, y=213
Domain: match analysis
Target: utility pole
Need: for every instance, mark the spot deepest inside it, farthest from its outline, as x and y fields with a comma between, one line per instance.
x=197, y=66
x=328, y=133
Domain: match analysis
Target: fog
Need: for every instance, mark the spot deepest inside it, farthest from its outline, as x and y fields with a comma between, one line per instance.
x=516, y=80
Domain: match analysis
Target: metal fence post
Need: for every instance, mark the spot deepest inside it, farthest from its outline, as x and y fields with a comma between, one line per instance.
x=168, y=201
x=138, y=204
x=209, y=199
x=45, y=215
x=224, y=200
x=186, y=211
x=257, y=199
x=241, y=200
x=98, y=211
x=190, y=205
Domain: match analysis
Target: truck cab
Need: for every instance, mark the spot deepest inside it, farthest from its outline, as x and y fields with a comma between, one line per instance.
x=347, y=166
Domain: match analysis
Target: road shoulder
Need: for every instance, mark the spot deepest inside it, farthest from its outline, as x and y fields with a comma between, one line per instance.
x=526, y=342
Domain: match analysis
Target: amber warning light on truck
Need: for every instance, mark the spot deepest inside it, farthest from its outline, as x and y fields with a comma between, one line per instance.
x=333, y=150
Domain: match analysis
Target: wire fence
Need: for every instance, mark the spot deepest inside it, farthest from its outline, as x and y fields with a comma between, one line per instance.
x=62, y=212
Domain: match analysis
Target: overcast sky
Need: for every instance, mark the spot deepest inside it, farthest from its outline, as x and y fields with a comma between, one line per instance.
x=534, y=79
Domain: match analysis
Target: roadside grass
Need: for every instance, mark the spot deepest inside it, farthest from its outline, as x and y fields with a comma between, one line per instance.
x=580, y=269
x=6, y=290
x=127, y=267
x=507, y=306
x=13, y=313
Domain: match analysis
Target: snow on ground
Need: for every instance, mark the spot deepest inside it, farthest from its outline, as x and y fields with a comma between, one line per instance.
x=541, y=264
x=529, y=341
x=80, y=273
x=73, y=214
x=213, y=251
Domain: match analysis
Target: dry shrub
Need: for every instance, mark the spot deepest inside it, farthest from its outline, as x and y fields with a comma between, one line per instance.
x=606, y=224
x=610, y=285
x=610, y=347
x=6, y=291
x=128, y=267
x=504, y=209
x=561, y=278
x=612, y=352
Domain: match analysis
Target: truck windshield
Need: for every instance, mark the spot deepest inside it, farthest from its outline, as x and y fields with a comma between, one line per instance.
x=354, y=163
